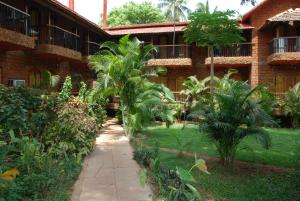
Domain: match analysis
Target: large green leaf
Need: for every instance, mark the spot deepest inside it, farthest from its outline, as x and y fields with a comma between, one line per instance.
x=184, y=175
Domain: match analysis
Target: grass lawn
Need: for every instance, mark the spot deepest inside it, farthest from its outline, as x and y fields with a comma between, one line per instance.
x=282, y=153
x=235, y=185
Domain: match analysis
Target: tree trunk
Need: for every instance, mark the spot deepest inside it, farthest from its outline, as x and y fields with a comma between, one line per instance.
x=212, y=69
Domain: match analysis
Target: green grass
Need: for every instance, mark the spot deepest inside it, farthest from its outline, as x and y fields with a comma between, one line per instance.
x=282, y=152
x=233, y=185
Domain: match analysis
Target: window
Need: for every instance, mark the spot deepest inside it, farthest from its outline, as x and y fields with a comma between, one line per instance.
x=35, y=79
x=16, y=83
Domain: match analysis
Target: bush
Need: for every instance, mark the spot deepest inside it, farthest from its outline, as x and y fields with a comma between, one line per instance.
x=144, y=156
x=231, y=113
x=97, y=110
x=41, y=176
x=20, y=111
x=73, y=133
x=292, y=105
x=66, y=91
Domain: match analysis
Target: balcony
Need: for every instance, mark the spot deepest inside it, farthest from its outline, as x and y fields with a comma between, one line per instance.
x=238, y=55
x=58, y=44
x=14, y=29
x=172, y=56
x=90, y=49
x=285, y=50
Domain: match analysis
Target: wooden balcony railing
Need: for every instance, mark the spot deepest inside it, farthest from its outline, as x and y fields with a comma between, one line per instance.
x=91, y=48
x=236, y=50
x=170, y=51
x=58, y=36
x=13, y=19
x=285, y=44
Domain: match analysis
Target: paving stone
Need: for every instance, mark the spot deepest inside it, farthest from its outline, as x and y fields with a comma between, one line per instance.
x=109, y=173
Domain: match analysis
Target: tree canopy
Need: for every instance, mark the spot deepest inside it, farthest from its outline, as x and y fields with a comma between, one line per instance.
x=135, y=13
x=175, y=10
x=218, y=28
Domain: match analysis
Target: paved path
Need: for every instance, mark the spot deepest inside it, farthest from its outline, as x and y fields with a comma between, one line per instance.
x=109, y=172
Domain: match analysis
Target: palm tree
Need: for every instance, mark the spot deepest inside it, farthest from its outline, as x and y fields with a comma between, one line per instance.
x=121, y=69
x=175, y=10
x=204, y=8
x=230, y=114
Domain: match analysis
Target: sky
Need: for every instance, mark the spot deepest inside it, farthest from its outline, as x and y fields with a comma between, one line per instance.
x=92, y=9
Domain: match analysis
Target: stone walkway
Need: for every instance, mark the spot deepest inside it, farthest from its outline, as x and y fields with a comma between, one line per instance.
x=109, y=172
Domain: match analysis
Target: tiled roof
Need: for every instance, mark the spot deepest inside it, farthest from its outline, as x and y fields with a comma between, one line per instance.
x=250, y=12
x=155, y=28
x=289, y=15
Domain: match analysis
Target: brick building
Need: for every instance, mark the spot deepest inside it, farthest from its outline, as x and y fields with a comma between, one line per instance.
x=36, y=35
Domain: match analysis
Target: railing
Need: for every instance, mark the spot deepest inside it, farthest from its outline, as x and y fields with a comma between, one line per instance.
x=61, y=37
x=237, y=50
x=170, y=51
x=13, y=19
x=91, y=48
x=285, y=44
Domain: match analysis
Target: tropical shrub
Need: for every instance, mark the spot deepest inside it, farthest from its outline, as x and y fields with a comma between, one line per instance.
x=122, y=72
x=82, y=91
x=74, y=131
x=144, y=156
x=49, y=81
x=231, y=113
x=170, y=184
x=66, y=91
x=292, y=104
x=20, y=111
x=38, y=176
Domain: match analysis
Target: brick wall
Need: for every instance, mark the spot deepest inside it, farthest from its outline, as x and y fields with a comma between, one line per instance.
x=18, y=65
x=261, y=72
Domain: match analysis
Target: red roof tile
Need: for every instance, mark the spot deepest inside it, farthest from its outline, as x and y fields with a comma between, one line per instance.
x=155, y=28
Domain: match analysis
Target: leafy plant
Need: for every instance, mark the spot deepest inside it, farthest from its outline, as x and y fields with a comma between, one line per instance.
x=73, y=133
x=194, y=90
x=144, y=156
x=232, y=113
x=292, y=104
x=49, y=81
x=181, y=146
x=122, y=72
x=212, y=30
x=82, y=91
x=21, y=111
x=66, y=91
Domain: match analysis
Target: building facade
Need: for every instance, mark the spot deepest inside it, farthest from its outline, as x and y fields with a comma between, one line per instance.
x=38, y=35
